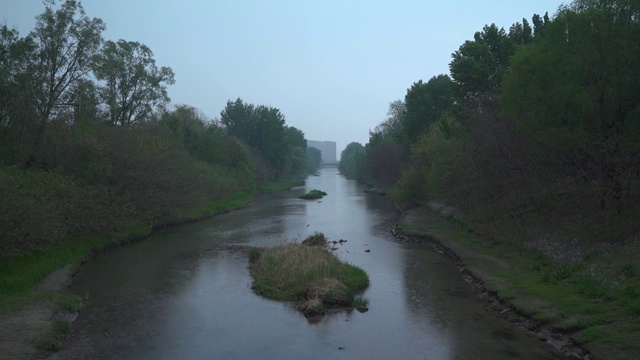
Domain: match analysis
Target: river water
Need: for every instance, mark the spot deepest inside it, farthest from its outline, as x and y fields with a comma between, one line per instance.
x=184, y=293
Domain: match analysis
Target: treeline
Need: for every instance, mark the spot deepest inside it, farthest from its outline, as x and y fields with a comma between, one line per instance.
x=89, y=143
x=538, y=125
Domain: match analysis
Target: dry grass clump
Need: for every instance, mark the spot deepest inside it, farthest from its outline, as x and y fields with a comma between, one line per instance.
x=298, y=272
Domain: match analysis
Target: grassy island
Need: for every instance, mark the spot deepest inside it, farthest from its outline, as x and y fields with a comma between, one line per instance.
x=309, y=274
x=313, y=194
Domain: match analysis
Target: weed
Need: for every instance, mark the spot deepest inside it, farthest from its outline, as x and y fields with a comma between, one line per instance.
x=631, y=291
x=628, y=271
x=360, y=301
x=590, y=287
x=317, y=239
x=313, y=194
x=52, y=340
x=254, y=254
x=69, y=302
x=561, y=272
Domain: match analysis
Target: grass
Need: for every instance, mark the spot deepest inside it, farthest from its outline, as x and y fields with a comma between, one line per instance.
x=592, y=294
x=309, y=274
x=317, y=239
x=313, y=194
x=280, y=185
x=52, y=340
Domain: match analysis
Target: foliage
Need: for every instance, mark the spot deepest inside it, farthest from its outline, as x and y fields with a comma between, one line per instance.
x=263, y=129
x=133, y=85
x=478, y=66
x=66, y=40
x=351, y=161
x=425, y=103
x=317, y=239
x=574, y=94
x=313, y=194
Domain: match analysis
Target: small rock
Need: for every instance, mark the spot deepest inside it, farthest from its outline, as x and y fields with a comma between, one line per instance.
x=362, y=309
x=367, y=250
x=334, y=242
x=340, y=347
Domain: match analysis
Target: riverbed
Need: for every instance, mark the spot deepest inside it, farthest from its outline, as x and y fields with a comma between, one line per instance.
x=185, y=292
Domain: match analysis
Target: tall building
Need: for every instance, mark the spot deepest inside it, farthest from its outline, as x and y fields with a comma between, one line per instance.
x=327, y=149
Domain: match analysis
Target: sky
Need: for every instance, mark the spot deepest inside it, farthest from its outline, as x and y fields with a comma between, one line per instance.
x=331, y=66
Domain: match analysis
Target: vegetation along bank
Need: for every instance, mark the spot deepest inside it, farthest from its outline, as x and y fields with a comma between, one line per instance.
x=92, y=153
x=531, y=143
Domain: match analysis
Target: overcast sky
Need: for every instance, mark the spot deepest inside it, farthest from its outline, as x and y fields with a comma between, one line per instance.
x=331, y=66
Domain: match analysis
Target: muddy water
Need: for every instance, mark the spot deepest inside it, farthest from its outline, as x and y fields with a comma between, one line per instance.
x=185, y=294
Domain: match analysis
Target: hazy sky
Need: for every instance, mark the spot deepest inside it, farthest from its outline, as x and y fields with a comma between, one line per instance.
x=331, y=67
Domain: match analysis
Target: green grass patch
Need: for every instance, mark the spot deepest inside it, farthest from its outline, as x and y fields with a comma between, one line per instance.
x=279, y=186
x=309, y=274
x=313, y=194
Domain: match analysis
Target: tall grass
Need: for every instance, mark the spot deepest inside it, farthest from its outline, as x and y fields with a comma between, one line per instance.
x=296, y=272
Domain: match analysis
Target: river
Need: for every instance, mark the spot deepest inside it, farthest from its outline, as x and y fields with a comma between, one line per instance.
x=184, y=293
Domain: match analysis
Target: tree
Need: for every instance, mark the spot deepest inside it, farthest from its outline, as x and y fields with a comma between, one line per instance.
x=66, y=40
x=240, y=121
x=351, y=160
x=15, y=55
x=392, y=125
x=539, y=24
x=575, y=94
x=478, y=66
x=263, y=129
x=521, y=34
x=134, y=85
x=424, y=104
x=295, y=137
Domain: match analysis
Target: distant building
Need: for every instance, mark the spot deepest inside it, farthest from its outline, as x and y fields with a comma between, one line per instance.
x=327, y=149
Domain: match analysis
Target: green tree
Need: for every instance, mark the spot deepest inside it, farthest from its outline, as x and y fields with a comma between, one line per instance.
x=15, y=55
x=424, y=104
x=575, y=94
x=351, y=160
x=241, y=121
x=478, y=66
x=521, y=34
x=539, y=24
x=134, y=85
x=66, y=41
x=295, y=137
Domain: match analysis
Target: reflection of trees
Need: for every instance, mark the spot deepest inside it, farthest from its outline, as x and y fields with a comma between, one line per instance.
x=430, y=293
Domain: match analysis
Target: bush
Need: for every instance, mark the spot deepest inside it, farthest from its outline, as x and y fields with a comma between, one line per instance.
x=313, y=194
